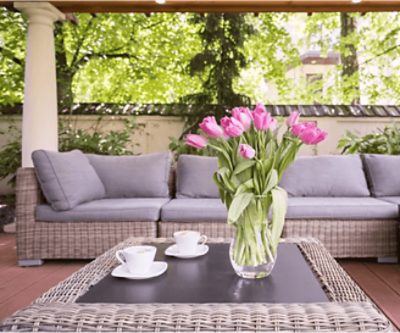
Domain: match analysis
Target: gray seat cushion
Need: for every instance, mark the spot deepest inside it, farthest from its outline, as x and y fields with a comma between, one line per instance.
x=395, y=200
x=194, y=177
x=106, y=210
x=326, y=176
x=340, y=208
x=383, y=174
x=143, y=176
x=66, y=179
x=194, y=210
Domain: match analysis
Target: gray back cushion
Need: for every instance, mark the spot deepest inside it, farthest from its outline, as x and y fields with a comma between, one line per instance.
x=67, y=179
x=326, y=176
x=194, y=177
x=143, y=176
x=383, y=173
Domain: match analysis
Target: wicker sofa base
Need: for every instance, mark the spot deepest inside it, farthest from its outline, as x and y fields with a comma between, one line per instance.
x=65, y=240
x=342, y=238
x=86, y=240
x=349, y=309
x=76, y=240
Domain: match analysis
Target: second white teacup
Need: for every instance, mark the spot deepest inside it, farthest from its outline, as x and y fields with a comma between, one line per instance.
x=138, y=259
x=187, y=241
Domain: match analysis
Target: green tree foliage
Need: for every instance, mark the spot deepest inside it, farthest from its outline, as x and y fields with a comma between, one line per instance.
x=221, y=59
x=373, y=43
x=270, y=53
x=233, y=66
x=134, y=58
x=379, y=60
x=12, y=56
x=349, y=56
x=386, y=141
x=107, y=58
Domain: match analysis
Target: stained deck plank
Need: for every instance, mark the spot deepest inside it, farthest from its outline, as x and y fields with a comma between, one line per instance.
x=25, y=296
x=390, y=274
x=384, y=295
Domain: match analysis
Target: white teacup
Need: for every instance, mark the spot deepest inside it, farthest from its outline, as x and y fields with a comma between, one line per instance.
x=138, y=259
x=188, y=241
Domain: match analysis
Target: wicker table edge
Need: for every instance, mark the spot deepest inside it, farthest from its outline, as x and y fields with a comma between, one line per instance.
x=349, y=310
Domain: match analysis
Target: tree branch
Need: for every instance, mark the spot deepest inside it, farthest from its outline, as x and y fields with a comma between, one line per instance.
x=87, y=57
x=11, y=56
x=152, y=25
x=81, y=41
x=390, y=49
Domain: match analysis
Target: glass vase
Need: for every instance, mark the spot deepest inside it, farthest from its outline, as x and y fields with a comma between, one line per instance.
x=251, y=253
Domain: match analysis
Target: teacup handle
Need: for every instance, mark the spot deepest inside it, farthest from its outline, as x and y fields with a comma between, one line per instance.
x=120, y=257
x=203, y=239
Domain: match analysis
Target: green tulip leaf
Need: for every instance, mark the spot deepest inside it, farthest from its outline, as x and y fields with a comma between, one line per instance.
x=223, y=154
x=239, y=204
x=279, y=207
x=245, y=187
x=272, y=181
x=242, y=166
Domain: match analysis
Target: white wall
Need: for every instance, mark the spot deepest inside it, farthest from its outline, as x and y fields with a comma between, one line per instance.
x=154, y=136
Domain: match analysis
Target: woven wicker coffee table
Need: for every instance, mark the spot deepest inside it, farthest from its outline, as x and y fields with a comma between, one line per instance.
x=349, y=308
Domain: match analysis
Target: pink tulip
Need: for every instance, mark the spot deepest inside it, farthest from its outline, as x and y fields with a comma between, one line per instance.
x=196, y=141
x=232, y=127
x=309, y=133
x=320, y=137
x=312, y=136
x=225, y=121
x=300, y=127
x=247, y=151
x=263, y=119
x=211, y=128
x=293, y=119
x=243, y=115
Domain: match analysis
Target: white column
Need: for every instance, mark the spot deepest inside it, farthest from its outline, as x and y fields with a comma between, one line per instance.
x=39, y=121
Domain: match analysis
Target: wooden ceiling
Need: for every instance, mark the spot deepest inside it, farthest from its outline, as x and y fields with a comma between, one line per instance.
x=234, y=6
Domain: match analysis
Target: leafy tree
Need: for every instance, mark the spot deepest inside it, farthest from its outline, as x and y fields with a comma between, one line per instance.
x=135, y=58
x=107, y=58
x=12, y=56
x=221, y=59
x=270, y=52
x=379, y=64
x=371, y=74
x=349, y=57
x=241, y=52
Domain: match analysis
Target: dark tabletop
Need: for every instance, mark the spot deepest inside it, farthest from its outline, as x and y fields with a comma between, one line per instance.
x=211, y=279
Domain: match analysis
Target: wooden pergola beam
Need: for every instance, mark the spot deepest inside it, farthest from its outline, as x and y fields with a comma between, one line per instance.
x=233, y=6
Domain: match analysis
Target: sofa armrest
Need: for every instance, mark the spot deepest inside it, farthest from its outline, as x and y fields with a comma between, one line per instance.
x=28, y=195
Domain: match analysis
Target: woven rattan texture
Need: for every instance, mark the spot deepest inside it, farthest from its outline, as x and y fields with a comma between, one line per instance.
x=52, y=240
x=350, y=309
x=342, y=238
x=349, y=238
x=46, y=240
x=211, y=229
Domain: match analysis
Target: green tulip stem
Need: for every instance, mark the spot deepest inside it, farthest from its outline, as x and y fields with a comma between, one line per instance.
x=253, y=244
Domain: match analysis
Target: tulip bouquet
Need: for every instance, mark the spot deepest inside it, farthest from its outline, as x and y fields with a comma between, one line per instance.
x=251, y=161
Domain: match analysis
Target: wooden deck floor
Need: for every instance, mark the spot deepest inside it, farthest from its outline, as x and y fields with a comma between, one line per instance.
x=20, y=286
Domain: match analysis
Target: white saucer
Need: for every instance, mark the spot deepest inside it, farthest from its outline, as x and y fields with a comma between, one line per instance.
x=173, y=251
x=156, y=269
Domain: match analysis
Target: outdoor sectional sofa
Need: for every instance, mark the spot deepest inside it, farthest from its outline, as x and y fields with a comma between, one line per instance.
x=73, y=205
